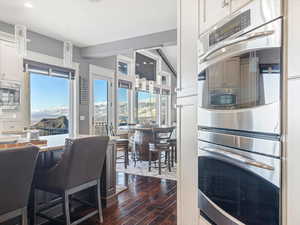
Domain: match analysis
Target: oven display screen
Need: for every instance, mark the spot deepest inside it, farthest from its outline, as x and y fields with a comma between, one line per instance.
x=235, y=25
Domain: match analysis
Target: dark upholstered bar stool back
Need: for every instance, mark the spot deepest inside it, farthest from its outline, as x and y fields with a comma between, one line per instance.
x=17, y=168
x=81, y=162
x=79, y=168
x=161, y=137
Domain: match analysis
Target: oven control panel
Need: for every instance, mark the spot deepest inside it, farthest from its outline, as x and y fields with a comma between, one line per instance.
x=235, y=25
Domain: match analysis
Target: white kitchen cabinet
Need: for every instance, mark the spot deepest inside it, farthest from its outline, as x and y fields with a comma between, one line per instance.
x=238, y=4
x=211, y=12
x=293, y=153
x=10, y=62
x=293, y=38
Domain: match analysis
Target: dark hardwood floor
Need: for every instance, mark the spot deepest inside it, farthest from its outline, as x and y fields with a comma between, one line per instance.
x=148, y=201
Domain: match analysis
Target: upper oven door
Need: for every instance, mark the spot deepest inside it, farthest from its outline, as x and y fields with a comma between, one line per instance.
x=239, y=84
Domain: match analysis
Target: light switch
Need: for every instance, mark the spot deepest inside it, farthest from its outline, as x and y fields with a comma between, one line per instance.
x=82, y=118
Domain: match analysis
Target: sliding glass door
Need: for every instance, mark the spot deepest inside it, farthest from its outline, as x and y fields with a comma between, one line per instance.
x=101, y=105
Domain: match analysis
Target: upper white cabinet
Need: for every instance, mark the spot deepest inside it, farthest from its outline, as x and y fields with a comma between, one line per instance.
x=293, y=38
x=211, y=12
x=10, y=62
x=238, y=4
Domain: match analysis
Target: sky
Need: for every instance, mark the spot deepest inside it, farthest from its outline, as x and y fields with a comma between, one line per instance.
x=48, y=92
x=100, y=90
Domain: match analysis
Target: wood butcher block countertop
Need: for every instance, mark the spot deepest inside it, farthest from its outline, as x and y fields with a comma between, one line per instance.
x=55, y=142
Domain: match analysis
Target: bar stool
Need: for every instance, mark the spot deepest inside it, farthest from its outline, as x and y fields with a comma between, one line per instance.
x=17, y=169
x=160, y=144
x=80, y=168
x=122, y=146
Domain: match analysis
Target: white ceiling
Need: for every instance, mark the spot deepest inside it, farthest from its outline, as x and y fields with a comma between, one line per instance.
x=88, y=22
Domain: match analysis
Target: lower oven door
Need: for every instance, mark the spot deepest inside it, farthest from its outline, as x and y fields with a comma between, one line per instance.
x=237, y=187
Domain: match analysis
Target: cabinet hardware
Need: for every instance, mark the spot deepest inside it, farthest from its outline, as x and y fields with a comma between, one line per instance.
x=177, y=90
x=225, y=3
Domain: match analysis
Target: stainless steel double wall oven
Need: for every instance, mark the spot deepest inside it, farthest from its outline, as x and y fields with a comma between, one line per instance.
x=239, y=117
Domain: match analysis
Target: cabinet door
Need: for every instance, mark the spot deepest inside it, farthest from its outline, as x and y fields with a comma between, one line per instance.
x=293, y=153
x=10, y=62
x=212, y=12
x=293, y=38
x=238, y=4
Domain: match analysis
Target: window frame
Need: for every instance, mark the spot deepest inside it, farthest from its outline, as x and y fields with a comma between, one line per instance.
x=129, y=97
x=74, y=87
x=131, y=92
x=157, y=105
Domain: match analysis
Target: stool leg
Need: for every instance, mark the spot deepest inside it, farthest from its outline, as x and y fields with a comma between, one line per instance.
x=166, y=158
x=175, y=150
x=66, y=208
x=125, y=158
x=172, y=156
x=159, y=162
x=35, y=209
x=169, y=161
x=127, y=153
x=150, y=159
x=134, y=159
x=99, y=201
x=24, y=217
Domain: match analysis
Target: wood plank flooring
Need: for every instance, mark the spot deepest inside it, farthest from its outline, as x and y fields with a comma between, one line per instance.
x=148, y=201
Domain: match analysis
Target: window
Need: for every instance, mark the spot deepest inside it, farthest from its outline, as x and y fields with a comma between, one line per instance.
x=164, y=103
x=50, y=104
x=101, y=107
x=123, y=106
x=123, y=68
x=146, y=107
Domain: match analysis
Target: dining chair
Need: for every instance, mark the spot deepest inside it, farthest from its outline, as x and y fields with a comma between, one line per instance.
x=80, y=168
x=17, y=168
x=161, y=144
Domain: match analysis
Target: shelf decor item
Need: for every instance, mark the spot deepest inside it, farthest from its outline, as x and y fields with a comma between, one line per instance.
x=10, y=97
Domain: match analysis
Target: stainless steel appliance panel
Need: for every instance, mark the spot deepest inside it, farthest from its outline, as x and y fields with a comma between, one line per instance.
x=261, y=145
x=238, y=187
x=239, y=84
x=261, y=12
x=266, y=167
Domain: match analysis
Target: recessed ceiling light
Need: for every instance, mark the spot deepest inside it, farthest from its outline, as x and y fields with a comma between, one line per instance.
x=28, y=5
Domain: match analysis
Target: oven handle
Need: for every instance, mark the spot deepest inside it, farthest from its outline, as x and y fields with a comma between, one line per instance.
x=238, y=157
x=236, y=41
